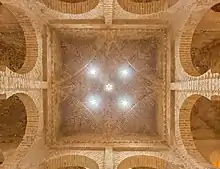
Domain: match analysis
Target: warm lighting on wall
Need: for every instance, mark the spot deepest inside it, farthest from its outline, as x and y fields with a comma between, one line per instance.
x=215, y=158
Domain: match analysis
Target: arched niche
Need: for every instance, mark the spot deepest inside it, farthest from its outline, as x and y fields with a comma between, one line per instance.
x=143, y=6
x=205, y=126
x=195, y=112
x=145, y=162
x=199, y=43
x=71, y=6
x=24, y=128
x=146, y=6
x=70, y=161
x=18, y=42
x=13, y=122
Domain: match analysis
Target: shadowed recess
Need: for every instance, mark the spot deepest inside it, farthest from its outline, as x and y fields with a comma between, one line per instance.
x=205, y=125
x=216, y=7
x=12, y=41
x=199, y=49
x=71, y=6
x=143, y=6
x=13, y=121
x=146, y=162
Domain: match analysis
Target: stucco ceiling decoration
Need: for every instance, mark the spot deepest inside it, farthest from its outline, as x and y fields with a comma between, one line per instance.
x=145, y=88
x=143, y=6
x=71, y=6
x=103, y=120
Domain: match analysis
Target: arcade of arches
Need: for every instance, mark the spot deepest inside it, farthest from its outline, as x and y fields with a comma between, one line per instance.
x=109, y=84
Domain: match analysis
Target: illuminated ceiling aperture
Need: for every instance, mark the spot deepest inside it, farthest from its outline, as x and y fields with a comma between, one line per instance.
x=122, y=75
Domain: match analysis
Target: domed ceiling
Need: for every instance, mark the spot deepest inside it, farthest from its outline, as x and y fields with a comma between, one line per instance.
x=109, y=88
x=77, y=117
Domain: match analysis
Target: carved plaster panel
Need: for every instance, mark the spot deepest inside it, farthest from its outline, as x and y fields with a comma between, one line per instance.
x=144, y=53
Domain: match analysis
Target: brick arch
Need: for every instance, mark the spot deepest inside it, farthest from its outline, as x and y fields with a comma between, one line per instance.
x=70, y=160
x=30, y=39
x=143, y=6
x=185, y=130
x=71, y=6
x=145, y=161
x=30, y=132
x=187, y=37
